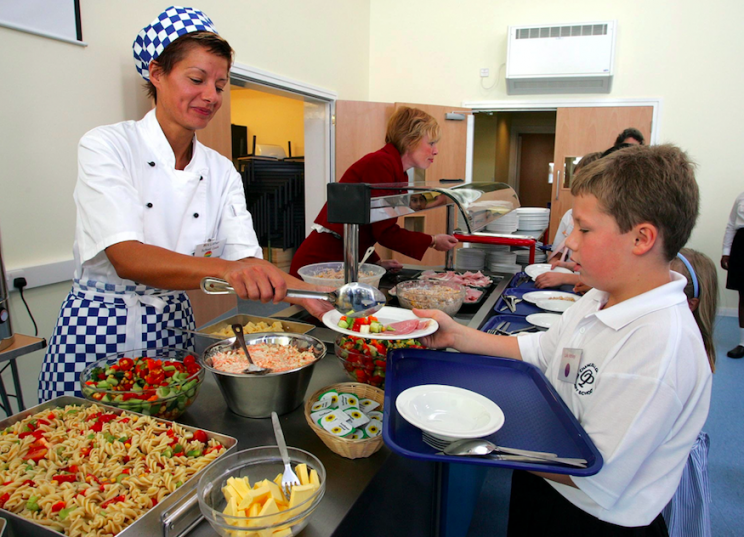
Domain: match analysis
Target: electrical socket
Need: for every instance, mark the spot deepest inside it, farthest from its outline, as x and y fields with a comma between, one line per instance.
x=11, y=276
x=484, y=72
x=20, y=283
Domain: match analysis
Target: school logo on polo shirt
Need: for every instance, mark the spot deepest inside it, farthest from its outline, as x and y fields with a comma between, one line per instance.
x=584, y=384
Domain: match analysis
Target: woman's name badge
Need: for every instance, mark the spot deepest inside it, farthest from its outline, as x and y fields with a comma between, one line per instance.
x=211, y=248
x=570, y=361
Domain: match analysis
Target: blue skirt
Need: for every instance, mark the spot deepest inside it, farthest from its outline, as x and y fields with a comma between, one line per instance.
x=99, y=319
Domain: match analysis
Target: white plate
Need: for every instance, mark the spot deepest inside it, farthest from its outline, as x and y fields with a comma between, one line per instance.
x=386, y=315
x=533, y=271
x=543, y=320
x=554, y=305
x=536, y=296
x=449, y=412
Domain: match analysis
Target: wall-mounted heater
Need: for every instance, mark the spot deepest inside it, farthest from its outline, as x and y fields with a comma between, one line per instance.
x=560, y=58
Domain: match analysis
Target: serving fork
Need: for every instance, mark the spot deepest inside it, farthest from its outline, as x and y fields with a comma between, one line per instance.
x=289, y=478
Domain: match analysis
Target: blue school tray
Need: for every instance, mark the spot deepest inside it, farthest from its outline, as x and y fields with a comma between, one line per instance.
x=523, y=308
x=516, y=322
x=536, y=418
x=529, y=285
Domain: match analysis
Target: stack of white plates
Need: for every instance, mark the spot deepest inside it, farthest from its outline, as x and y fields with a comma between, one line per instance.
x=533, y=218
x=523, y=257
x=505, y=224
x=504, y=267
x=470, y=259
x=509, y=258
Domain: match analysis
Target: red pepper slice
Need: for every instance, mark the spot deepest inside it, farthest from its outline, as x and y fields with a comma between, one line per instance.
x=97, y=427
x=115, y=499
x=35, y=454
x=201, y=436
x=125, y=364
x=58, y=507
x=4, y=498
x=28, y=482
x=65, y=478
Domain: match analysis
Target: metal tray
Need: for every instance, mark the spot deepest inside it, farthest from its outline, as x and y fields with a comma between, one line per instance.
x=176, y=515
x=205, y=336
x=536, y=416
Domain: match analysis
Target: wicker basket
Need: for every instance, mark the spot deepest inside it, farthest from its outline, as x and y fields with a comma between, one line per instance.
x=351, y=449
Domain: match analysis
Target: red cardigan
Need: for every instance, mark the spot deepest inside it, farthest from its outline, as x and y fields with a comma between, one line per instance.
x=383, y=166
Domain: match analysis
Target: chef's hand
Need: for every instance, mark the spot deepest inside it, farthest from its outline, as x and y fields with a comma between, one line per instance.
x=448, y=331
x=725, y=262
x=443, y=242
x=256, y=279
x=391, y=265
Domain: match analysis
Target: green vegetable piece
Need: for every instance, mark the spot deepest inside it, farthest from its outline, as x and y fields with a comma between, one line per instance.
x=123, y=439
x=64, y=513
x=73, y=411
x=178, y=483
x=194, y=453
x=163, y=392
x=31, y=504
x=178, y=448
x=169, y=368
x=120, y=477
x=168, y=452
x=91, y=436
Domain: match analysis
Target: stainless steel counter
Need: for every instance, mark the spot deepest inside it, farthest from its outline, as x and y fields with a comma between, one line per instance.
x=347, y=479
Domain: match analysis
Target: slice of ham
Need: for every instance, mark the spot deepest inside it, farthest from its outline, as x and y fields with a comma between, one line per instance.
x=401, y=328
x=472, y=295
x=472, y=279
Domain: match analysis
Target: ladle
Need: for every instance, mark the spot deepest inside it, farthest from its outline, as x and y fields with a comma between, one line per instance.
x=353, y=299
x=252, y=369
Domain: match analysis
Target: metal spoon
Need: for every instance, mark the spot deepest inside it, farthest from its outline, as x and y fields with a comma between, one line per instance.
x=480, y=447
x=353, y=299
x=252, y=369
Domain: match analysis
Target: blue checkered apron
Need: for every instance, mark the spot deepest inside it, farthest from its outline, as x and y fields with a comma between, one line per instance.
x=98, y=319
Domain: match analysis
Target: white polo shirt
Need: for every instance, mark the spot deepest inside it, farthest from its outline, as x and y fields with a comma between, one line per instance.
x=642, y=394
x=129, y=190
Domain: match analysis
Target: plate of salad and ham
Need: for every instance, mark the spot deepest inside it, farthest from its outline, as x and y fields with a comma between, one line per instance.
x=388, y=323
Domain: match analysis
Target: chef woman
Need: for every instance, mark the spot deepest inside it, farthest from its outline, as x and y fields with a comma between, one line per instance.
x=157, y=211
x=411, y=142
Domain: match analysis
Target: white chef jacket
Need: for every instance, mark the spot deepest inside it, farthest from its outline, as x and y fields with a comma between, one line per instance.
x=129, y=190
x=735, y=223
x=642, y=394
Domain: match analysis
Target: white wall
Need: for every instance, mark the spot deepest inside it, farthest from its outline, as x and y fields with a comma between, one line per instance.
x=686, y=52
x=54, y=92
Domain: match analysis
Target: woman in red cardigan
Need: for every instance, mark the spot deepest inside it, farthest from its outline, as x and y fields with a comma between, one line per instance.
x=411, y=142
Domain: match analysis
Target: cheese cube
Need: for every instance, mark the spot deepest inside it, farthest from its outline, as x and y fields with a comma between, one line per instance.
x=314, y=479
x=301, y=471
x=268, y=509
x=300, y=494
x=241, y=485
x=247, y=500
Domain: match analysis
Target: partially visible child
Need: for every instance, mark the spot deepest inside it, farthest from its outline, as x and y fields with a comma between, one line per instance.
x=560, y=255
x=638, y=379
x=688, y=514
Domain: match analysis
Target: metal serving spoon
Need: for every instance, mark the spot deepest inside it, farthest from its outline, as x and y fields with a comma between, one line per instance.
x=366, y=255
x=353, y=299
x=252, y=369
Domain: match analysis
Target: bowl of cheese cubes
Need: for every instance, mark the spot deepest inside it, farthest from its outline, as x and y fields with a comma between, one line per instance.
x=241, y=495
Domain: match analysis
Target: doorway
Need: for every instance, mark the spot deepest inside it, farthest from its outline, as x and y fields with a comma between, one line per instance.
x=535, y=169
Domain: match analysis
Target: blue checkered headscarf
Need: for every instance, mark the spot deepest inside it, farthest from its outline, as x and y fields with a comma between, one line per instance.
x=166, y=28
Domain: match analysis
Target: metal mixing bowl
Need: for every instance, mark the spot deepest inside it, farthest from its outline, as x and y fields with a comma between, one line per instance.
x=256, y=396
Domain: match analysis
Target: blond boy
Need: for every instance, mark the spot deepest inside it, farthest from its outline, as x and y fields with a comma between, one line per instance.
x=641, y=385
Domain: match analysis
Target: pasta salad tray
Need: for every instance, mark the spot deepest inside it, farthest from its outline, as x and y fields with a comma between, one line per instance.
x=76, y=468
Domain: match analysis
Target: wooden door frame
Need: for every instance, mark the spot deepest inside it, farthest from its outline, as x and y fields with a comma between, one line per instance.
x=325, y=171
x=554, y=104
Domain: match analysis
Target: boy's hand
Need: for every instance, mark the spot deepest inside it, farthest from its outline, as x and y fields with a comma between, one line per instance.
x=550, y=279
x=448, y=329
x=725, y=262
x=581, y=288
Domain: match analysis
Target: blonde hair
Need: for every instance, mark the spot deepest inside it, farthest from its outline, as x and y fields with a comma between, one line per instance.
x=705, y=313
x=637, y=184
x=407, y=126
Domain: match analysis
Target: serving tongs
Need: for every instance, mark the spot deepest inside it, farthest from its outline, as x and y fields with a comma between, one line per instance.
x=353, y=299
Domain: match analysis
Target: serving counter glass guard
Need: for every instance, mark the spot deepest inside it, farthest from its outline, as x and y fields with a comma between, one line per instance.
x=470, y=208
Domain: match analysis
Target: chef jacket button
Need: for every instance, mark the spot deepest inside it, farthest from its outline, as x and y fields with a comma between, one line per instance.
x=196, y=215
x=152, y=163
x=149, y=205
x=582, y=330
x=201, y=178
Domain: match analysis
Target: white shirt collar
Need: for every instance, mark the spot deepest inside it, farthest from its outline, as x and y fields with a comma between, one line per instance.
x=624, y=313
x=158, y=143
